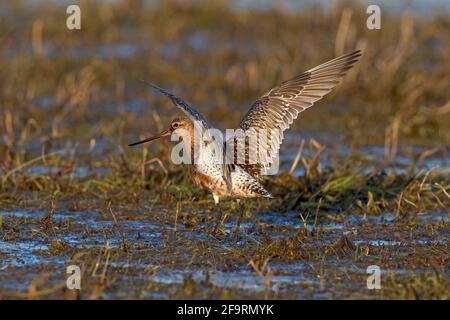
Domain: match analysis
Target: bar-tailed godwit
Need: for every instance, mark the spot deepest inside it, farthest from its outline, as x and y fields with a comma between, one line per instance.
x=274, y=111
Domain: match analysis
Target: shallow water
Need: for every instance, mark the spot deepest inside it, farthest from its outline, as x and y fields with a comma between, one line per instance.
x=408, y=157
x=87, y=230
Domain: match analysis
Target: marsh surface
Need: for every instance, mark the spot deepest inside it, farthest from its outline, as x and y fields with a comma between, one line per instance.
x=370, y=187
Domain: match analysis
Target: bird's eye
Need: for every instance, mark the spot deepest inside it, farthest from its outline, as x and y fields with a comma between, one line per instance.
x=175, y=125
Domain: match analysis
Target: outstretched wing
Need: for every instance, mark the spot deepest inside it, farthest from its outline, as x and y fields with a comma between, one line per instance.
x=277, y=109
x=192, y=114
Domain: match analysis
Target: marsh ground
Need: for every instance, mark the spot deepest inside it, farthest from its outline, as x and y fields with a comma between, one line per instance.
x=371, y=186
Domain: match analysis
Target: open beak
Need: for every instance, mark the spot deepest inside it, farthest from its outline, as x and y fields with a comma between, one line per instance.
x=165, y=133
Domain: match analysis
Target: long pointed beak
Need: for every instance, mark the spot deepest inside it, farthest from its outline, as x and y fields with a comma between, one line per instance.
x=165, y=133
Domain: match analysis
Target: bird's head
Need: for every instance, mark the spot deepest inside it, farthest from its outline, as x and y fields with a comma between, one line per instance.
x=181, y=126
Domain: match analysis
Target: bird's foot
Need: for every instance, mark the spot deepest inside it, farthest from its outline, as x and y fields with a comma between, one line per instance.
x=219, y=225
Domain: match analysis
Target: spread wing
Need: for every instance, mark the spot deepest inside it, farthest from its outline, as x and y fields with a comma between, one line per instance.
x=190, y=112
x=278, y=108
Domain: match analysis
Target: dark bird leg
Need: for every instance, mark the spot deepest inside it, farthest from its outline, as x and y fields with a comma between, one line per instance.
x=241, y=215
x=219, y=215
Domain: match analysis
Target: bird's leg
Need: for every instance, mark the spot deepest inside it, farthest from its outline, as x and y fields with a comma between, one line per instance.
x=241, y=215
x=219, y=214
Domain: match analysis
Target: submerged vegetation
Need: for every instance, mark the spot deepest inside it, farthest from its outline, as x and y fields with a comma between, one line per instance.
x=365, y=174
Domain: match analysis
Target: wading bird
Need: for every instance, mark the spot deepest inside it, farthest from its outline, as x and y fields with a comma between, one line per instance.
x=274, y=111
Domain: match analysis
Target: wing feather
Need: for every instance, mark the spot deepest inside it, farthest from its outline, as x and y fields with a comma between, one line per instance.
x=190, y=111
x=279, y=107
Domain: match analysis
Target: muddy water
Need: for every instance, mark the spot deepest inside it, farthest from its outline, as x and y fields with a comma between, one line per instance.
x=315, y=269
x=32, y=249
